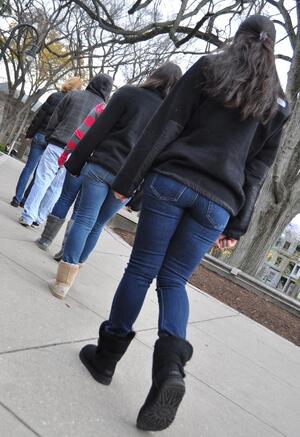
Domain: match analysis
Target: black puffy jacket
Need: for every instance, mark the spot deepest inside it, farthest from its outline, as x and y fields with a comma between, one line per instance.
x=43, y=115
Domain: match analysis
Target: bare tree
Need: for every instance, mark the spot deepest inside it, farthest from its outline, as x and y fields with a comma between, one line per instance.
x=193, y=19
x=70, y=43
x=17, y=73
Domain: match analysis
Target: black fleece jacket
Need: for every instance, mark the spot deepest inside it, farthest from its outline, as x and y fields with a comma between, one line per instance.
x=196, y=140
x=43, y=115
x=111, y=138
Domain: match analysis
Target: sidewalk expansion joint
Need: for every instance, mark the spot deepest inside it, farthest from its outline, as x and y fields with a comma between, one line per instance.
x=245, y=357
x=19, y=419
x=190, y=323
x=235, y=403
x=213, y=318
x=49, y=345
x=119, y=255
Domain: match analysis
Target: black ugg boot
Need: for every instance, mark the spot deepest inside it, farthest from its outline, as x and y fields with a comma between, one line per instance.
x=168, y=387
x=50, y=231
x=101, y=360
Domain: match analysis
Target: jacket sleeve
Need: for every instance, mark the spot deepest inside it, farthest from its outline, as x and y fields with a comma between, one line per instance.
x=58, y=115
x=255, y=174
x=80, y=132
x=37, y=120
x=95, y=135
x=165, y=126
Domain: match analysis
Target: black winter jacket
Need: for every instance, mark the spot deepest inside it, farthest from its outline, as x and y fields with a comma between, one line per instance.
x=73, y=109
x=43, y=115
x=196, y=140
x=115, y=133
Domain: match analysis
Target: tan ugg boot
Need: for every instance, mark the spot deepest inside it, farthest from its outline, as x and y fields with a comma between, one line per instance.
x=66, y=275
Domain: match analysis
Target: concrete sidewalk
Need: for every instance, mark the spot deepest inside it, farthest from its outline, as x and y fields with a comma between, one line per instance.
x=243, y=380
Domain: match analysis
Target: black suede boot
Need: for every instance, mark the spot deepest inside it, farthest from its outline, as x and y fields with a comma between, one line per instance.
x=101, y=360
x=168, y=387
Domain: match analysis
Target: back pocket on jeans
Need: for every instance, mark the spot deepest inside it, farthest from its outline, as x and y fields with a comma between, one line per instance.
x=165, y=188
x=217, y=216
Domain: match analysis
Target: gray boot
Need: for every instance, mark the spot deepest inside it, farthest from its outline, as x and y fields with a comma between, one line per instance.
x=50, y=231
x=58, y=256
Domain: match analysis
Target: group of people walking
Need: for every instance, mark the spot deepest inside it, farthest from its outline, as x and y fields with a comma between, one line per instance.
x=197, y=148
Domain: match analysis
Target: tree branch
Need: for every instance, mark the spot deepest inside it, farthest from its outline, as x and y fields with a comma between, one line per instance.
x=138, y=5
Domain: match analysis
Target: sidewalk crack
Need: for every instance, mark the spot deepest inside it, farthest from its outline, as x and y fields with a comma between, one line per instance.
x=19, y=419
x=44, y=346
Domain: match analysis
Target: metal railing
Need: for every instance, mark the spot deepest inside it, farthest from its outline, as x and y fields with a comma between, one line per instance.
x=250, y=283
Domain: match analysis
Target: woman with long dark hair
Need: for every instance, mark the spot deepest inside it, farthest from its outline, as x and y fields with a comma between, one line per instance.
x=204, y=157
x=106, y=146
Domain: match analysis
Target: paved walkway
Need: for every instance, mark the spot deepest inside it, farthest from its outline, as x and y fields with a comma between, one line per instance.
x=243, y=380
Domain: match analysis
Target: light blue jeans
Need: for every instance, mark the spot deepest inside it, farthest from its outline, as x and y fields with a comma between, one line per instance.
x=97, y=205
x=47, y=186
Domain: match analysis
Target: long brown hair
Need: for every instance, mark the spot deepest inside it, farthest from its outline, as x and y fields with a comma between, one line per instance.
x=163, y=78
x=244, y=75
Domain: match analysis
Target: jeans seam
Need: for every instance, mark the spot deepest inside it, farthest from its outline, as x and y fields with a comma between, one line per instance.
x=217, y=227
x=162, y=309
x=208, y=214
x=194, y=200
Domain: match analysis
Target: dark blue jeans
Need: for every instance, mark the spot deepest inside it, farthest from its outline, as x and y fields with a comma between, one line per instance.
x=70, y=190
x=176, y=228
x=97, y=205
x=37, y=148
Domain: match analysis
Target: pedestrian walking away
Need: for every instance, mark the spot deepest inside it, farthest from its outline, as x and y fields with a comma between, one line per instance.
x=204, y=157
x=70, y=190
x=66, y=118
x=36, y=132
x=105, y=148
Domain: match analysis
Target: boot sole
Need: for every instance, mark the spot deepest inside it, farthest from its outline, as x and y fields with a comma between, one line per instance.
x=97, y=376
x=40, y=246
x=58, y=296
x=58, y=259
x=161, y=413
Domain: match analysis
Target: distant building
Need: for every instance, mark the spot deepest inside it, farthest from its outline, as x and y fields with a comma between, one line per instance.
x=281, y=269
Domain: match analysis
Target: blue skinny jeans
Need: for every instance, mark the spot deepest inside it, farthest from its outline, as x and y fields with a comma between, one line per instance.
x=177, y=226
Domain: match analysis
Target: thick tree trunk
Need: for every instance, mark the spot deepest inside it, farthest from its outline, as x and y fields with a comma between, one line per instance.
x=268, y=222
x=278, y=202
x=11, y=110
x=15, y=114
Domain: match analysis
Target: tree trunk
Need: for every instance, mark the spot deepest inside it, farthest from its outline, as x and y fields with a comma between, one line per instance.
x=278, y=203
x=7, y=116
x=268, y=223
